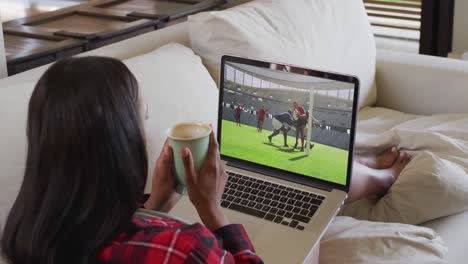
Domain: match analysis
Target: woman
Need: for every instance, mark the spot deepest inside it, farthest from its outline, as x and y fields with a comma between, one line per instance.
x=85, y=174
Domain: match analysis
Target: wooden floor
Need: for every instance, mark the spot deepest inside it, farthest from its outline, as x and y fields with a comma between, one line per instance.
x=13, y=9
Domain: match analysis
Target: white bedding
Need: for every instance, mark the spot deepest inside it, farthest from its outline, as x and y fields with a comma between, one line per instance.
x=441, y=134
x=444, y=135
x=354, y=241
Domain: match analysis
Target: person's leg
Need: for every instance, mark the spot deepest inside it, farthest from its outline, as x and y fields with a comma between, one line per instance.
x=367, y=181
x=383, y=160
x=275, y=133
x=285, y=136
x=297, y=136
x=302, y=138
x=276, y=126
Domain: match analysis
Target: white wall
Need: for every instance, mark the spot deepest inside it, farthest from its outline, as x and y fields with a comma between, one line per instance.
x=460, y=28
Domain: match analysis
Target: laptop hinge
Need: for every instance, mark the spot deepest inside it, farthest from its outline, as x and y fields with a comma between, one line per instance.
x=280, y=176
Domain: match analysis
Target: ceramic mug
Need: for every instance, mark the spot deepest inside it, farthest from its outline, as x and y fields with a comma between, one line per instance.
x=194, y=136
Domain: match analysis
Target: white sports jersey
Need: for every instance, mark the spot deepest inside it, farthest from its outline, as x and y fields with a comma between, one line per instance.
x=295, y=115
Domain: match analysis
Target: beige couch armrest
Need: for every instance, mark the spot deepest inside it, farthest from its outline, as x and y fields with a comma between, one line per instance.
x=420, y=84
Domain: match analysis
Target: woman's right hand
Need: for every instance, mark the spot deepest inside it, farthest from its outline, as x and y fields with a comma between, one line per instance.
x=206, y=187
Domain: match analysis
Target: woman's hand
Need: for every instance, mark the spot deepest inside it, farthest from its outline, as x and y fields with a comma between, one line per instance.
x=163, y=195
x=206, y=187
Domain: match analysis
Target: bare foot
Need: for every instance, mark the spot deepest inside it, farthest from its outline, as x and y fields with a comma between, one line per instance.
x=403, y=159
x=368, y=182
x=388, y=176
x=382, y=161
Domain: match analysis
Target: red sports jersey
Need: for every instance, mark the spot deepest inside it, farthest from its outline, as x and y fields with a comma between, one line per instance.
x=261, y=114
x=238, y=110
x=301, y=110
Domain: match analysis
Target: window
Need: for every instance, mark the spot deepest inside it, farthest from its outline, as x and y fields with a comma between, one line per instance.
x=396, y=23
x=419, y=26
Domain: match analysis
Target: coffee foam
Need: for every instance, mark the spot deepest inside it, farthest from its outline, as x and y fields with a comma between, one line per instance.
x=189, y=131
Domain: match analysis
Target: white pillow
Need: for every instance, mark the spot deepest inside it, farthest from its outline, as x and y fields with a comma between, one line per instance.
x=177, y=88
x=14, y=102
x=331, y=35
x=429, y=187
x=351, y=241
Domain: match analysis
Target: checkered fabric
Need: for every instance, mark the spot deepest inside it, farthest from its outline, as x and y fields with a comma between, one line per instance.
x=164, y=240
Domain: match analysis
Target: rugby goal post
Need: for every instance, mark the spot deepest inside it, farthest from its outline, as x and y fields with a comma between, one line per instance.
x=310, y=121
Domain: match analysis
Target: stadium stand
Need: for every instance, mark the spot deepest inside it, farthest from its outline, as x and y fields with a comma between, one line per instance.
x=339, y=119
x=334, y=123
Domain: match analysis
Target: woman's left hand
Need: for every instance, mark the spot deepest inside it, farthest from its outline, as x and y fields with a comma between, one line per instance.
x=163, y=195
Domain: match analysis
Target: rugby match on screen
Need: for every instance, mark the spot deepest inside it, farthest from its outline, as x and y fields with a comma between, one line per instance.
x=301, y=125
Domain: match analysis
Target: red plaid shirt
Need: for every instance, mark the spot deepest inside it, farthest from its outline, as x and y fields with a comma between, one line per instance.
x=164, y=240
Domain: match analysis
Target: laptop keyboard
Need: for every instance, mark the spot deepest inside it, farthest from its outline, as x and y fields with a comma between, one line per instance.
x=270, y=201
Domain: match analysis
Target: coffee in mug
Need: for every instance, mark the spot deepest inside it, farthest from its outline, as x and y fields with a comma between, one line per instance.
x=194, y=136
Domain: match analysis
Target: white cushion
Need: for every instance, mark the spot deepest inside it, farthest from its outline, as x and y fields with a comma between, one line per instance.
x=449, y=229
x=421, y=84
x=177, y=88
x=332, y=35
x=352, y=241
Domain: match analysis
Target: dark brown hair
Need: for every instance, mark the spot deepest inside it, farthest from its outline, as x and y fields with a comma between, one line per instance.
x=86, y=165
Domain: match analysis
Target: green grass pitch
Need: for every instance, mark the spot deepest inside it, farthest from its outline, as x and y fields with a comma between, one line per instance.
x=325, y=162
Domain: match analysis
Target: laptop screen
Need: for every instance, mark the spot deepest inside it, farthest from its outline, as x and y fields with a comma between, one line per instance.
x=287, y=118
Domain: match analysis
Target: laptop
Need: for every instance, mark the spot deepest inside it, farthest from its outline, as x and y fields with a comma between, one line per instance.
x=286, y=134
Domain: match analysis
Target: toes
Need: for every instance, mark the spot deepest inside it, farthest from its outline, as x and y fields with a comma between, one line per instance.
x=405, y=158
x=389, y=151
x=401, y=158
x=409, y=157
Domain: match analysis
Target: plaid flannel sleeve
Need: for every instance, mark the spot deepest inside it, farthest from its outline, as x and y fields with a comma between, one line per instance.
x=230, y=244
x=234, y=239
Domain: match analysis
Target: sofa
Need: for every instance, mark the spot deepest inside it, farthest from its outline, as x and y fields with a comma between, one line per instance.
x=408, y=86
x=3, y=65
